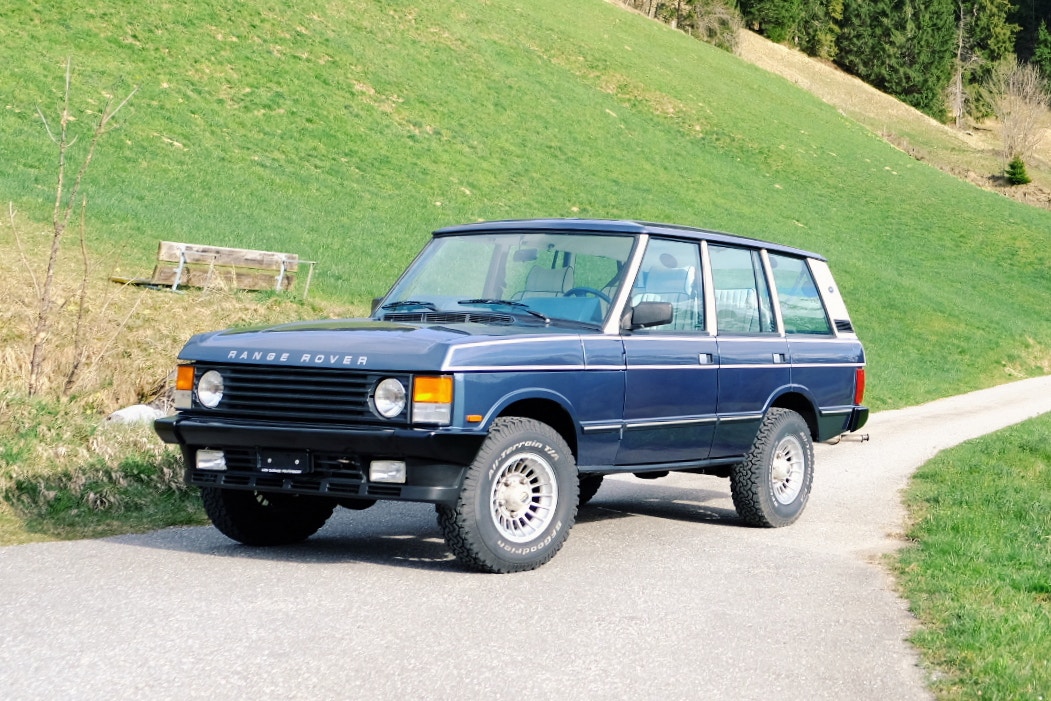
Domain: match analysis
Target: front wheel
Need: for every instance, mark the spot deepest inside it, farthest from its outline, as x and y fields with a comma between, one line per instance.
x=771, y=487
x=518, y=499
x=261, y=518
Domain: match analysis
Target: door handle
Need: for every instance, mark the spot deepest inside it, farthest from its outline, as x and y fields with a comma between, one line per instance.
x=780, y=358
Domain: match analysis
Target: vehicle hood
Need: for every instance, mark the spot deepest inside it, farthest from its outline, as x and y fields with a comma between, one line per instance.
x=368, y=345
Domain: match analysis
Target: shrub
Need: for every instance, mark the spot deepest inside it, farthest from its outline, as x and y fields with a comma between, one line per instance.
x=1015, y=172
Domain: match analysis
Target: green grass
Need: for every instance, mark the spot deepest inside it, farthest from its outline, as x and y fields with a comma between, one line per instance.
x=979, y=574
x=63, y=474
x=345, y=132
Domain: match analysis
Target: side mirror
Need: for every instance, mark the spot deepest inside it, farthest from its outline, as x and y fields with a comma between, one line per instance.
x=646, y=314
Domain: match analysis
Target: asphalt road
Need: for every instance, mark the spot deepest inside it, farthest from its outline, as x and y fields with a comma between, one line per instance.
x=659, y=593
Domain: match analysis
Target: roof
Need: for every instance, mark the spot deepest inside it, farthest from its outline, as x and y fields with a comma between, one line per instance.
x=620, y=226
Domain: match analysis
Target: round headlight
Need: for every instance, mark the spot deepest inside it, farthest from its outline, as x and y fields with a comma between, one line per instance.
x=210, y=388
x=389, y=398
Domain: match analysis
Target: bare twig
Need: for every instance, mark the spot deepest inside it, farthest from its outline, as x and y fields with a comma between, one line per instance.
x=78, y=329
x=116, y=334
x=1020, y=99
x=22, y=250
x=63, y=212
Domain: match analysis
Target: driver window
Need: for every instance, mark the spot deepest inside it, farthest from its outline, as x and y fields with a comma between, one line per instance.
x=671, y=272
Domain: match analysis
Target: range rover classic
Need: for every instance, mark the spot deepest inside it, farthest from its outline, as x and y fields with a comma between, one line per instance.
x=515, y=364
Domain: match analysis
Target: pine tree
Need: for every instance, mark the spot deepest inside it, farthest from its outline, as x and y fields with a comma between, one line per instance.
x=818, y=27
x=1015, y=172
x=903, y=47
x=990, y=38
x=1042, y=53
x=774, y=19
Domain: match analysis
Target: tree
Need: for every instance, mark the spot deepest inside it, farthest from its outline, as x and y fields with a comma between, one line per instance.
x=1042, y=53
x=818, y=27
x=903, y=47
x=1028, y=15
x=65, y=207
x=1015, y=172
x=774, y=19
x=1020, y=98
x=713, y=21
x=990, y=39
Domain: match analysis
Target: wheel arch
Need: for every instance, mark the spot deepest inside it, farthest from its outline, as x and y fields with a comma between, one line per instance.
x=548, y=411
x=796, y=400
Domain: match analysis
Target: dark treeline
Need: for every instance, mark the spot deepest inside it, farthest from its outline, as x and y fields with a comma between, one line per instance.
x=936, y=55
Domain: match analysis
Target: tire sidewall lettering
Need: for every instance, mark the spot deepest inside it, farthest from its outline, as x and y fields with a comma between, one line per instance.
x=535, y=547
x=787, y=510
x=542, y=449
x=523, y=446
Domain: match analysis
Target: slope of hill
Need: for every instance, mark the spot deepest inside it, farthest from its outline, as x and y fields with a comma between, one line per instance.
x=972, y=154
x=346, y=131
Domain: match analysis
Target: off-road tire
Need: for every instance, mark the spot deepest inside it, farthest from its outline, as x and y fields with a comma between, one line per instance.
x=771, y=487
x=518, y=499
x=589, y=485
x=260, y=518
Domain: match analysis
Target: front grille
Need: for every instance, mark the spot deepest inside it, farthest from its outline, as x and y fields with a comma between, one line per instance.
x=449, y=318
x=298, y=394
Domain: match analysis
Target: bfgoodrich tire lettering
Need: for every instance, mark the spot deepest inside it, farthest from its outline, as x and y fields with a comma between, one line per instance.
x=260, y=518
x=518, y=500
x=771, y=487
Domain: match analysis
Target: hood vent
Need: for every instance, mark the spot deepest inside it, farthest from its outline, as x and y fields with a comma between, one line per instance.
x=449, y=318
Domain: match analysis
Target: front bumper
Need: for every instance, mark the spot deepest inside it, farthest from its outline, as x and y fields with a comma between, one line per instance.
x=435, y=459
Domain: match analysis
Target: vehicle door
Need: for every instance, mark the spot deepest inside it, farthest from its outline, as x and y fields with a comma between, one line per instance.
x=671, y=376
x=753, y=354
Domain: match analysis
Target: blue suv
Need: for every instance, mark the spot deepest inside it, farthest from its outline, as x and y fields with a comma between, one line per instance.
x=511, y=367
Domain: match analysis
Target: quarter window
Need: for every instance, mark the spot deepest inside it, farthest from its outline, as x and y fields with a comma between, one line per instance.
x=801, y=307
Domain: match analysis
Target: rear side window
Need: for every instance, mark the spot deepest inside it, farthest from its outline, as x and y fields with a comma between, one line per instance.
x=742, y=296
x=801, y=307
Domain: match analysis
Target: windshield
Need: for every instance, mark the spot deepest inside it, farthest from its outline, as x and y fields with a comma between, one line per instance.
x=542, y=276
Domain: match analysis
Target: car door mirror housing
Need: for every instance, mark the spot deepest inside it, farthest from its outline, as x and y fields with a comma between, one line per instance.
x=646, y=314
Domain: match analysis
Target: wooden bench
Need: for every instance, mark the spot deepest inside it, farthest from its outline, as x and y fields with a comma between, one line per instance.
x=194, y=265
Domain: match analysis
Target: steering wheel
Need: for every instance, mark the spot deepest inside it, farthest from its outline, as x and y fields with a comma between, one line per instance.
x=581, y=291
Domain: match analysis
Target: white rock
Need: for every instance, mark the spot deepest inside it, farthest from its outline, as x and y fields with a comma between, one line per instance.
x=138, y=413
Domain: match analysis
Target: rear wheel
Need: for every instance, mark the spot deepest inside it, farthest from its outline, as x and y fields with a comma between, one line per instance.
x=518, y=500
x=261, y=518
x=771, y=487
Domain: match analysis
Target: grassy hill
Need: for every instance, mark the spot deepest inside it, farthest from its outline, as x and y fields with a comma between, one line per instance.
x=346, y=131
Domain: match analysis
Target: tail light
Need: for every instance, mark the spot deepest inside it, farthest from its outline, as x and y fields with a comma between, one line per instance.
x=859, y=386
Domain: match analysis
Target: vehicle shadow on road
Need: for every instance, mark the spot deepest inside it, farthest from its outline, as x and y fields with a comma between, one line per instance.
x=623, y=499
x=399, y=535
x=406, y=534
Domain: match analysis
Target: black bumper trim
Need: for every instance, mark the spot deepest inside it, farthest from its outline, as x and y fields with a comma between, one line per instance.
x=323, y=486
x=858, y=418
x=431, y=445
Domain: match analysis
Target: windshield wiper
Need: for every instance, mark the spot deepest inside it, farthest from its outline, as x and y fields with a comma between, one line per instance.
x=410, y=303
x=505, y=303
